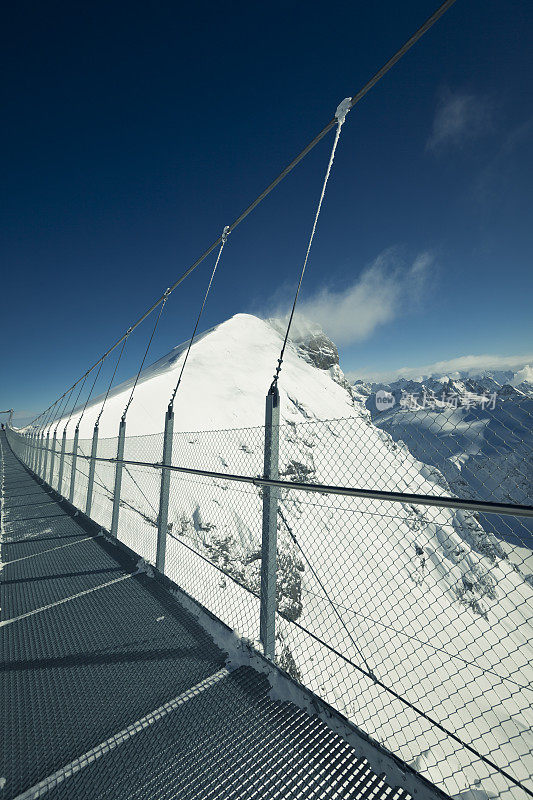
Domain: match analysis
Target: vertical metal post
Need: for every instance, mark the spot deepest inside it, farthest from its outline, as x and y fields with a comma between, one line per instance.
x=62, y=462
x=92, y=465
x=267, y=614
x=162, y=521
x=73, y=467
x=118, y=477
x=40, y=454
x=46, y=447
x=32, y=451
x=52, y=459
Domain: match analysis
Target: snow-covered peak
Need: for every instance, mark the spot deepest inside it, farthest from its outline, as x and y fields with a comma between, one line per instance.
x=225, y=382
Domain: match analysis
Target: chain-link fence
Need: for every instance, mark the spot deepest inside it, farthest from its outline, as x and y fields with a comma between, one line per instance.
x=412, y=620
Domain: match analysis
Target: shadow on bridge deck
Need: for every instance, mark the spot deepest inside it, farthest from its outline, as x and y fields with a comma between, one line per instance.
x=111, y=689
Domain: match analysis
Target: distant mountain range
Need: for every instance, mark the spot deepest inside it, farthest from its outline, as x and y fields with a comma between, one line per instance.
x=477, y=431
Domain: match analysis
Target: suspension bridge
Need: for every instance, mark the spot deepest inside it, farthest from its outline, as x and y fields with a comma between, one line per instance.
x=143, y=660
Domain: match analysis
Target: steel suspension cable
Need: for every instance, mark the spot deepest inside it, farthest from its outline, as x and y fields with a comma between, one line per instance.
x=62, y=410
x=432, y=646
x=76, y=400
x=424, y=28
x=50, y=417
x=89, y=395
x=225, y=234
x=328, y=598
x=340, y=116
x=43, y=423
x=112, y=378
x=413, y=707
x=145, y=354
x=64, y=393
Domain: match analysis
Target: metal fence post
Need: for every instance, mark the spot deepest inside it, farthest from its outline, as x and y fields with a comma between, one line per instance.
x=42, y=451
x=92, y=465
x=73, y=466
x=39, y=453
x=52, y=459
x=162, y=521
x=46, y=447
x=62, y=462
x=118, y=477
x=267, y=614
x=33, y=451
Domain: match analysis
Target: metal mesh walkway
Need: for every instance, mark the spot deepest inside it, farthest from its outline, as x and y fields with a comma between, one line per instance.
x=111, y=689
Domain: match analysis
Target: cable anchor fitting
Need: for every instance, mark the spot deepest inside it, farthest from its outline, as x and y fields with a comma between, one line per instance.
x=342, y=110
x=225, y=233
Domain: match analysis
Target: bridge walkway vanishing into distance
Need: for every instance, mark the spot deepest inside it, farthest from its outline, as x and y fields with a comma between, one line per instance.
x=128, y=681
x=112, y=688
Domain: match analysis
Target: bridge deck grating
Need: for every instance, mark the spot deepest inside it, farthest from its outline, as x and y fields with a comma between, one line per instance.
x=79, y=672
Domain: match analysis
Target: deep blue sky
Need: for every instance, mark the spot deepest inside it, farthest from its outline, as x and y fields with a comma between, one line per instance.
x=133, y=132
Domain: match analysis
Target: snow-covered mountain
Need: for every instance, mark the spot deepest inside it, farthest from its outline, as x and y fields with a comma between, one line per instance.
x=477, y=431
x=426, y=599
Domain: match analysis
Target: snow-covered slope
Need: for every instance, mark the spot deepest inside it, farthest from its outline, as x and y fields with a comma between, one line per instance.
x=482, y=449
x=225, y=382
x=424, y=598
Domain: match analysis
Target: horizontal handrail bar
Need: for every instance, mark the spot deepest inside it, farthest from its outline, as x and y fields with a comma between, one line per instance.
x=507, y=509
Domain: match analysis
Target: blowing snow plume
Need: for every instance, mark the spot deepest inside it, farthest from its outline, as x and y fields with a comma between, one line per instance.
x=380, y=293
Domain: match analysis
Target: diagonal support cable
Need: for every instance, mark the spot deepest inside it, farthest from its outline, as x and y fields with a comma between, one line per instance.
x=340, y=116
x=145, y=354
x=224, y=239
x=76, y=400
x=328, y=598
x=113, y=377
x=423, y=29
x=89, y=395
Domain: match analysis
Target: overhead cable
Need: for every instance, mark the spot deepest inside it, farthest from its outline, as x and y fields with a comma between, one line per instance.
x=340, y=116
x=225, y=234
x=145, y=354
x=424, y=28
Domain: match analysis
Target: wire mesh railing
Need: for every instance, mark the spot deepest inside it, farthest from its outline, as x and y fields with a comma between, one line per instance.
x=412, y=620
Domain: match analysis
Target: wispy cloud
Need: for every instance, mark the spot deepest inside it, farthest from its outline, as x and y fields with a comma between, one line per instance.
x=472, y=365
x=496, y=181
x=459, y=119
x=386, y=288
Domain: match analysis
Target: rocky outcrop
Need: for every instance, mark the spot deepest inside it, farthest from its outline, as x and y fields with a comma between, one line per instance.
x=318, y=350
